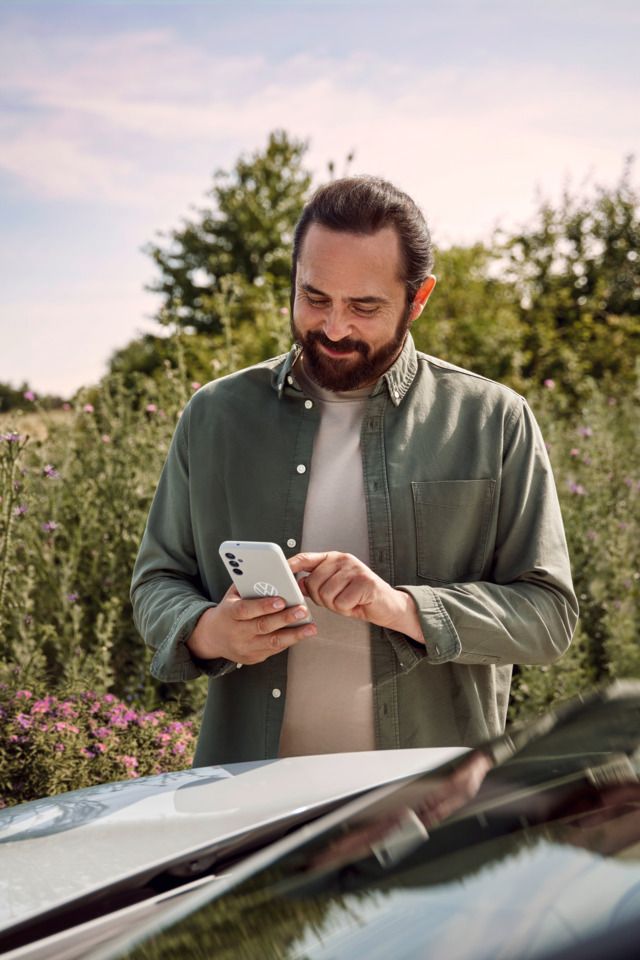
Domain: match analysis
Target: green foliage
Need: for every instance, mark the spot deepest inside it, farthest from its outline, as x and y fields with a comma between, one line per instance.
x=472, y=317
x=577, y=275
x=595, y=455
x=245, y=237
x=50, y=744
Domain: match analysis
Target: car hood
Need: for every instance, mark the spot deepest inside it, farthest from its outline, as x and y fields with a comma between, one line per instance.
x=79, y=844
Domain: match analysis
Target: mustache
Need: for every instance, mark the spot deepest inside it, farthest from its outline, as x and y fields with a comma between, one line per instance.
x=346, y=345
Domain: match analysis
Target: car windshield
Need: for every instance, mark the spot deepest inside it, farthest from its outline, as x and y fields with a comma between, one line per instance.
x=526, y=845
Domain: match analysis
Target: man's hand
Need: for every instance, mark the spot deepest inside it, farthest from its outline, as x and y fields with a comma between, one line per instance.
x=248, y=631
x=342, y=583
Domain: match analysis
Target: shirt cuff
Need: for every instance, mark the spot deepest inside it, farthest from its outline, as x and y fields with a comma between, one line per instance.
x=442, y=642
x=173, y=661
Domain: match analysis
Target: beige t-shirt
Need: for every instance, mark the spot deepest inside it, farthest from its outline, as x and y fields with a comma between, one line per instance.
x=329, y=706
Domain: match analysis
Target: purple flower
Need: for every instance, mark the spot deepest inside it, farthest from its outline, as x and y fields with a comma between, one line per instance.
x=72, y=597
x=50, y=471
x=49, y=526
x=29, y=395
x=585, y=431
x=577, y=488
x=11, y=437
x=23, y=720
x=102, y=733
x=59, y=747
x=20, y=510
x=549, y=384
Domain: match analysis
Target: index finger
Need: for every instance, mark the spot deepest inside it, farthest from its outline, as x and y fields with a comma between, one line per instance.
x=306, y=561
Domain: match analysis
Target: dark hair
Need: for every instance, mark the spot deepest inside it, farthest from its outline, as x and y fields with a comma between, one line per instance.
x=365, y=205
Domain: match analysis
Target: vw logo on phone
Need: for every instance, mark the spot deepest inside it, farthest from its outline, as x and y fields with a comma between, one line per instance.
x=265, y=589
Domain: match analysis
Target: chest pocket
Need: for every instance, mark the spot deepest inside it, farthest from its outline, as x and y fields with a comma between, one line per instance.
x=453, y=519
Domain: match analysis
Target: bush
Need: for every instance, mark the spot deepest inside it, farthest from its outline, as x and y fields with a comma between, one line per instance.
x=51, y=744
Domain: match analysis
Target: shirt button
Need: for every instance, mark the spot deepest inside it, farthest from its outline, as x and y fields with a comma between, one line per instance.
x=289, y=380
x=291, y=542
x=308, y=404
x=301, y=468
x=238, y=666
x=396, y=394
x=275, y=693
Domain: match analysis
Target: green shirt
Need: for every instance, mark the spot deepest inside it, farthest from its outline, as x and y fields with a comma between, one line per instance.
x=462, y=514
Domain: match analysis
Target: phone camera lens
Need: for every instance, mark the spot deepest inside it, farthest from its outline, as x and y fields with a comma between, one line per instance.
x=238, y=572
x=230, y=556
x=234, y=563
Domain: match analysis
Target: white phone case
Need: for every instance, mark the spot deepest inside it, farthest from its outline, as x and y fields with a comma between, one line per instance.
x=260, y=569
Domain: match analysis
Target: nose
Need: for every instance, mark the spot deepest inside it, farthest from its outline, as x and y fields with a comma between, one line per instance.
x=337, y=324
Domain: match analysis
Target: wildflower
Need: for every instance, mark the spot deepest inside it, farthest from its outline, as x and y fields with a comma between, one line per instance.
x=85, y=752
x=49, y=526
x=66, y=406
x=50, y=471
x=577, y=488
x=591, y=535
x=14, y=738
x=99, y=748
x=585, y=431
x=60, y=726
x=11, y=437
x=179, y=747
x=284, y=312
x=549, y=384
x=105, y=438
x=88, y=408
x=628, y=482
x=195, y=385
x=102, y=733
x=23, y=695
x=72, y=597
x=20, y=510
x=23, y=720
x=43, y=706
x=151, y=408
x=29, y=395
x=59, y=747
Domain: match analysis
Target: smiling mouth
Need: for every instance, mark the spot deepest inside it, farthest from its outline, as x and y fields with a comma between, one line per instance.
x=337, y=353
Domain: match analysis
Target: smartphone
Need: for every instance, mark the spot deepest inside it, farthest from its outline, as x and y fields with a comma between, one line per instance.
x=260, y=569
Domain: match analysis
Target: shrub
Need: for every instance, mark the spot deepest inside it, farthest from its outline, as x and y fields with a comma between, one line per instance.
x=50, y=744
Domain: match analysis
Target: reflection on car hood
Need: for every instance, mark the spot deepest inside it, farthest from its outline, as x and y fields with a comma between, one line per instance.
x=54, y=850
x=524, y=846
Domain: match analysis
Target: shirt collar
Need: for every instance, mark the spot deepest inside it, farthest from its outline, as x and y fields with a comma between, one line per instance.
x=397, y=379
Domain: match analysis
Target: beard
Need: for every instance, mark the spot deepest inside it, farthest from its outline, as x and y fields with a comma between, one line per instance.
x=350, y=373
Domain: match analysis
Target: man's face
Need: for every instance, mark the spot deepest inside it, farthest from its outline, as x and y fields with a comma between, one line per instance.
x=350, y=309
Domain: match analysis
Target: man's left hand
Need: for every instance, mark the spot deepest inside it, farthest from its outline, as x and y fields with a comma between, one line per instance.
x=342, y=583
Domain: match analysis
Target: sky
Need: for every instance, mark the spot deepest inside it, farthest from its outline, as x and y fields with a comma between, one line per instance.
x=115, y=114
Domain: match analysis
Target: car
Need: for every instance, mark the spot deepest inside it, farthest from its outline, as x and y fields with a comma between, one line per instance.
x=527, y=846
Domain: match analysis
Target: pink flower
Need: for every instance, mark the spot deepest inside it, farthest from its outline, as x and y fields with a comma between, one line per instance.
x=20, y=510
x=60, y=726
x=29, y=395
x=99, y=747
x=105, y=438
x=574, y=452
x=179, y=747
x=549, y=384
x=23, y=695
x=66, y=406
x=577, y=488
x=49, y=526
x=59, y=747
x=86, y=753
x=50, y=471
x=151, y=408
x=585, y=431
x=195, y=385
x=42, y=706
x=23, y=721
x=102, y=733
x=88, y=408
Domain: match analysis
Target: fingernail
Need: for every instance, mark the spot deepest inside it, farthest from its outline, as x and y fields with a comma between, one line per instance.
x=301, y=613
x=309, y=631
x=278, y=604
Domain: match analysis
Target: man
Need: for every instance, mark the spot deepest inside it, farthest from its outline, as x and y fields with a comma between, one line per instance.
x=418, y=497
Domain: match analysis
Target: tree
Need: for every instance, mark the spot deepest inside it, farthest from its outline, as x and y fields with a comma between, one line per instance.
x=235, y=251
x=577, y=275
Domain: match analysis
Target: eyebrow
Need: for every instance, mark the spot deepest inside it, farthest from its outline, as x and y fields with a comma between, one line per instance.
x=308, y=288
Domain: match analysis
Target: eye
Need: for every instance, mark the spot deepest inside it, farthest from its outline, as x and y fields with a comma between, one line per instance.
x=313, y=302
x=364, y=311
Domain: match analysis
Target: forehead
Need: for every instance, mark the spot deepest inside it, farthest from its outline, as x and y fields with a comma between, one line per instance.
x=351, y=263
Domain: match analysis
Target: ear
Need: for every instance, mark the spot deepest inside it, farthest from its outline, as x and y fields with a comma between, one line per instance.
x=421, y=297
